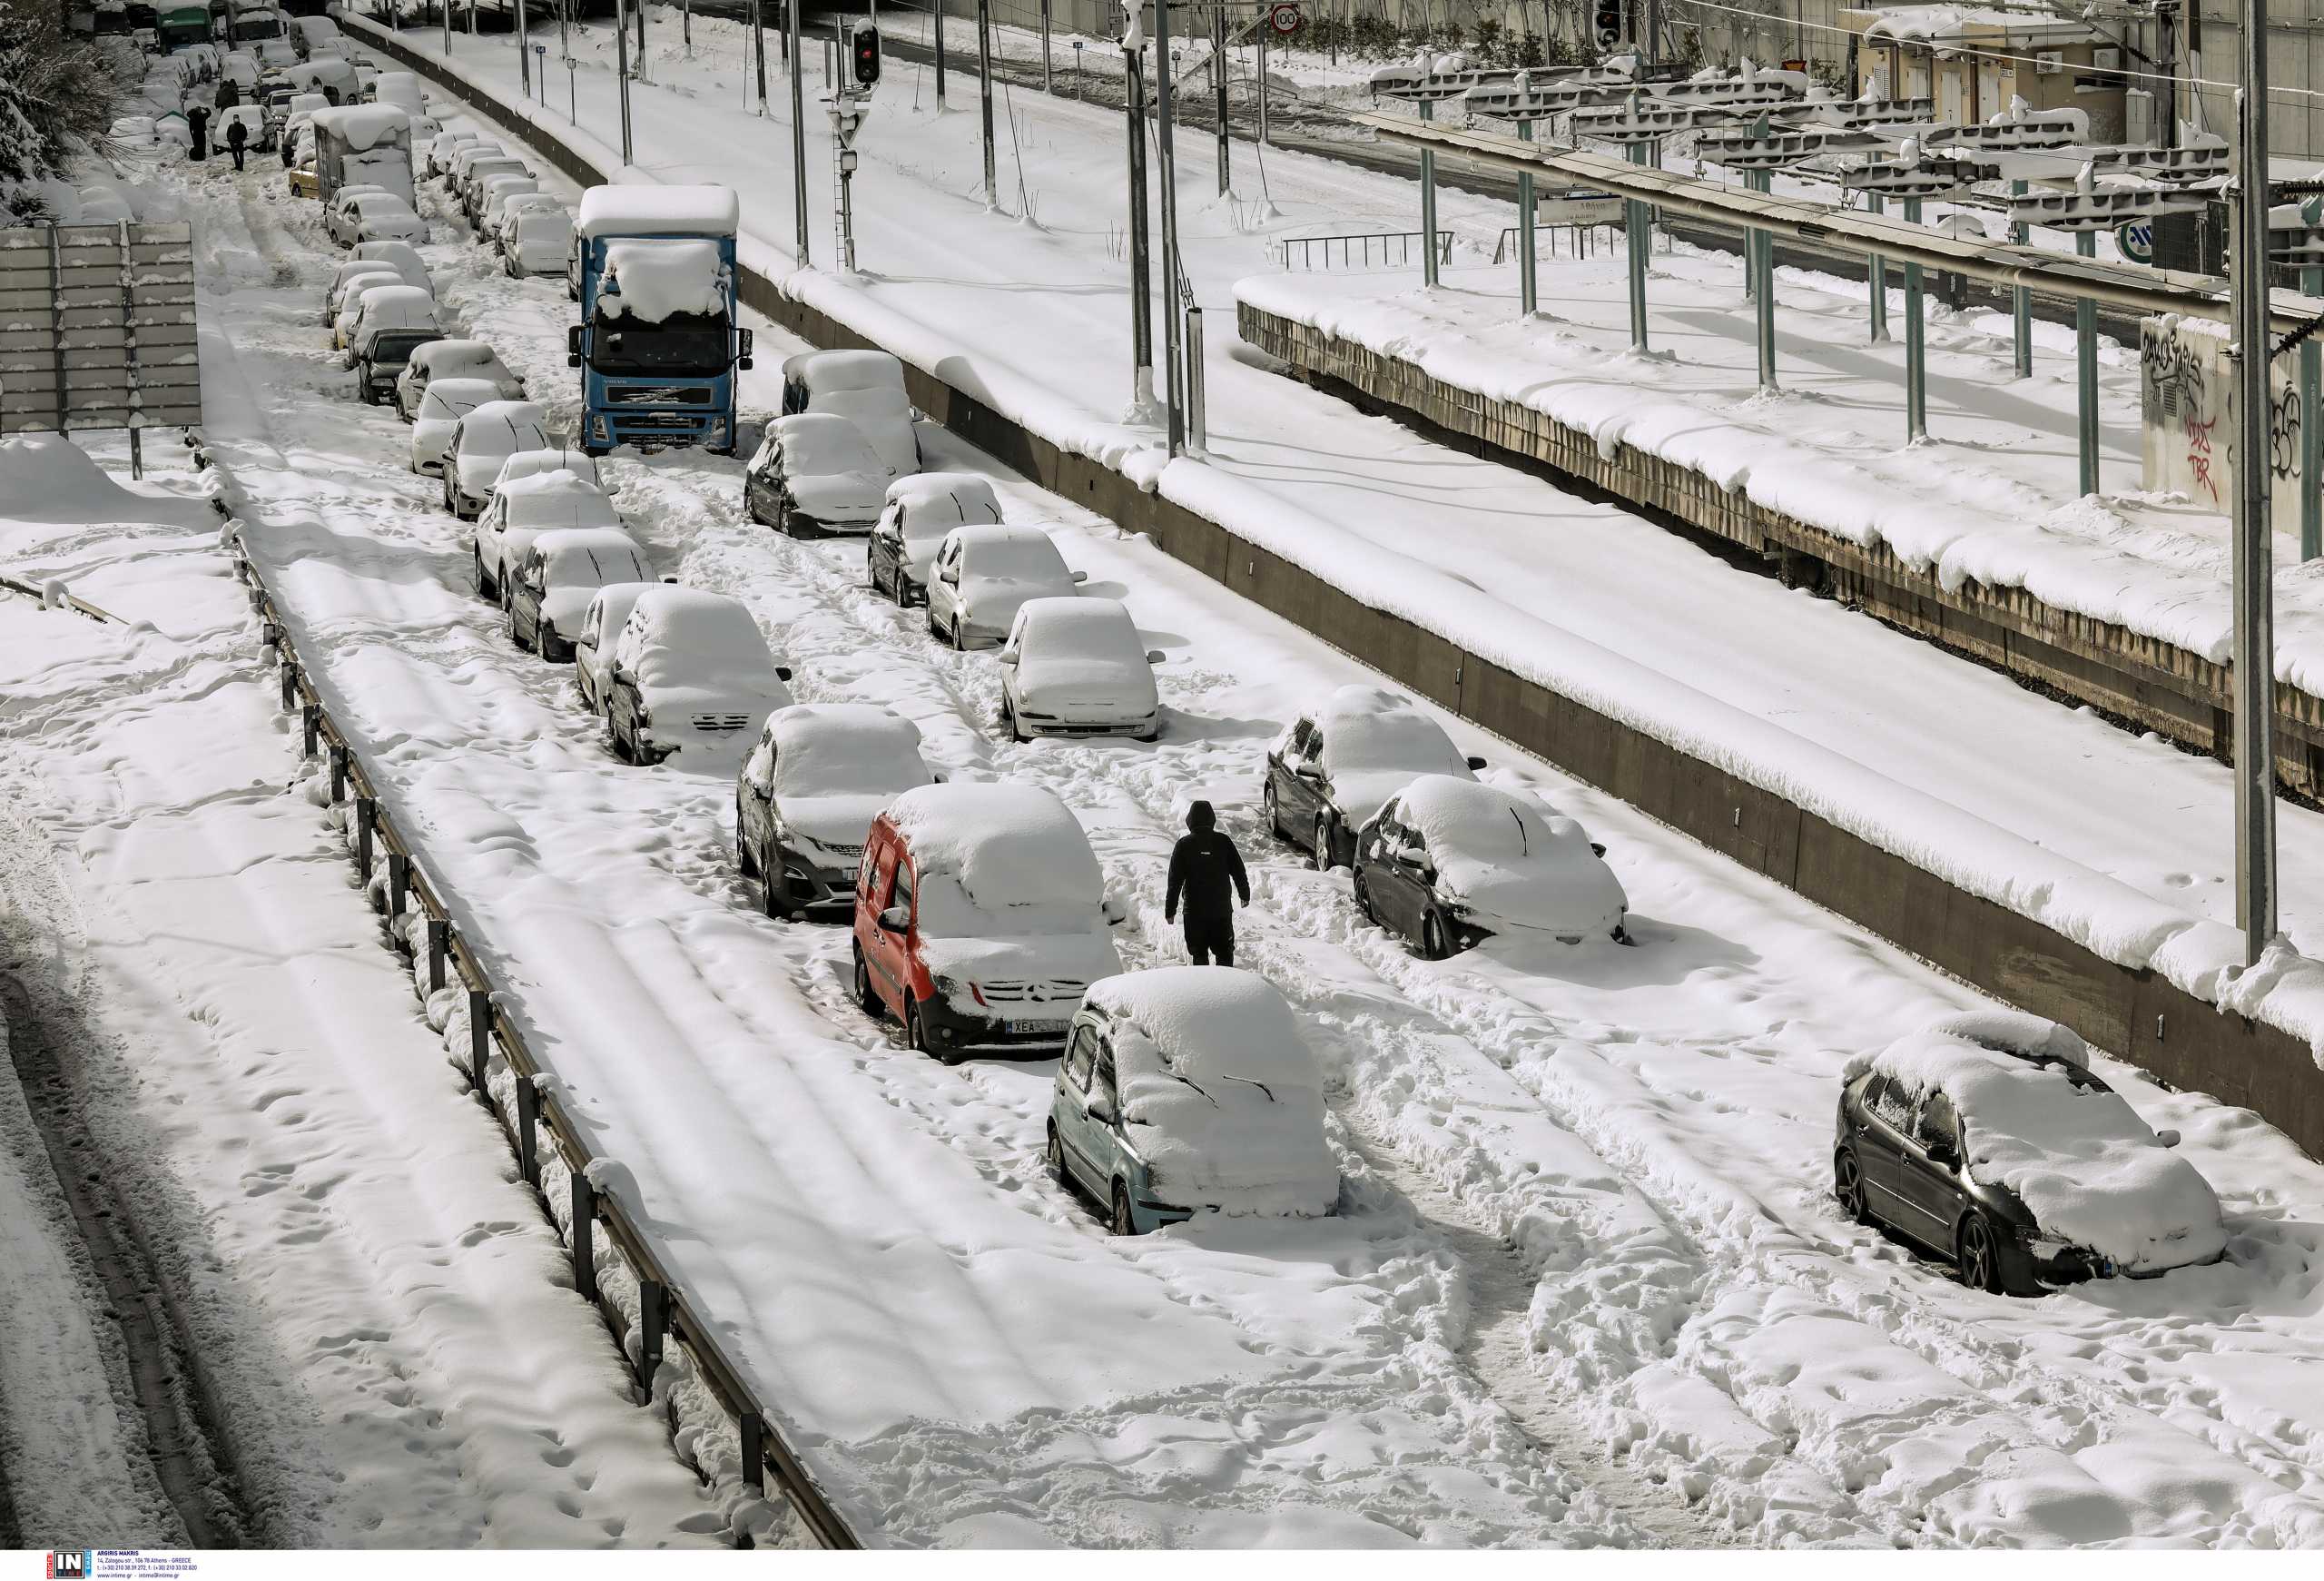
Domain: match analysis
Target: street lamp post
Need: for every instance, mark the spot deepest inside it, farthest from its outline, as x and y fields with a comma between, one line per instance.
x=621, y=70
x=798, y=124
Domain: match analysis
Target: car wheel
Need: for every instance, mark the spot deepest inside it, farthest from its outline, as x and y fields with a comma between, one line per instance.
x=960, y=634
x=916, y=1038
x=1433, y=945
x=1363, y=896
x=1977, y=1254
x=743, y=860
x=867, y=998
x=1053, y=1159
x=1848, y=1187
x=1122, y=1224
x=484, y=587
x=1008, y=718
x=1273, y=807
x=622, y=749
x=516, y=626
x=773, y=896
x=1321, y=852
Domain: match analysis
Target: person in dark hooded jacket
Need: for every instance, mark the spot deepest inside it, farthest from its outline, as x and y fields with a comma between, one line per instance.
x=1207, y=875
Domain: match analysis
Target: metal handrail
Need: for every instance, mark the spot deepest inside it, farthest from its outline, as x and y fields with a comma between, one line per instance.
x=1404, y=241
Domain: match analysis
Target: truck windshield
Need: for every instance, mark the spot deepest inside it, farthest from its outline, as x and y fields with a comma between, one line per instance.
x=681, y=346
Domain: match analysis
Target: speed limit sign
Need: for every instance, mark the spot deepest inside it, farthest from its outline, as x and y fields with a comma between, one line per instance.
x=1283, y=18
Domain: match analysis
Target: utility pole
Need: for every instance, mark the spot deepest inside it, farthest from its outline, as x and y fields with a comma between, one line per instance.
x=2254, y=557
x=1218, y=86
x=621, y=73
x=798, y=124
x=564, y=43
x=1174, y=390
x=524, y=58
x=984, y=93
x=758, y=51
x=1048, y=82
x=1141, y=285
x=939, y=54
x=2166, y=97
x=1262, y=36
x=443, y=15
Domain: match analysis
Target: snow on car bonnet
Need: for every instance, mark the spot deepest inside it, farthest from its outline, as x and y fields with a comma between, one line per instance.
x=659, y=210
x=1366, y=728
x=1219, y=1093
x=652, y=280
x=2078, y=1156
x=1007, y=845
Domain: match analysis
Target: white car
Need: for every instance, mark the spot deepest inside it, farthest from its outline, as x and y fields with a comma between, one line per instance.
x=1188, y=1090
x=252, y=119
x=517, y=515
x=983, y=574
x=807, y=796
x=532, y=463
x=1331, y=769
x=400, y=256
x=504, y=227
x=384, y=336
x=883, y=417
x=814, y=473
x=392, y=305
x=494, y=195
x=558, y=576
x=1448, y=863
x=810, y=374
x=351, y=305
x=1076, y=666
x=446, y=144
x=456, y=168
x=375, y=217
x=537, y=241
x=344, y=289
x=438, y=413
x=593, y=652
x=919, y=511
x=690, y=674
x=481, y=441
x=455, y=359
x=470, y=190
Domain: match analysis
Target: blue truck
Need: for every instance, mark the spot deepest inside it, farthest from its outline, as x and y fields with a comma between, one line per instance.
x=658, y=344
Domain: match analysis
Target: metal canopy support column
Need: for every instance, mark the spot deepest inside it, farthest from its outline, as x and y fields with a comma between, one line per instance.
x=1763, y=256
x=1428, y=202
x=2085, y=353
x=798, y=122
x=1219, y=87
x=1173, y=393
x=1915, y=344
x=984, y=96
x=1141, y=290
x=1528, y=300
x=2312, y=430
x=1877, y=272
x=1637, y=237
x=2253, y=559
x=2021, y=302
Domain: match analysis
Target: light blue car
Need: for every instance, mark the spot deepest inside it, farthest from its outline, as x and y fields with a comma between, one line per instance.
x=1188, y=1090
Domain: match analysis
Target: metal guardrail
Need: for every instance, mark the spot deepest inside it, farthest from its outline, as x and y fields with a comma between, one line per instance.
x=1395, y=249
x=665, y=1313
x=1582, y=244
x=77, y=606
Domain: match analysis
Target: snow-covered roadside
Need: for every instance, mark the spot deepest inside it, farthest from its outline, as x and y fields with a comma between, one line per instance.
x=381, y=1320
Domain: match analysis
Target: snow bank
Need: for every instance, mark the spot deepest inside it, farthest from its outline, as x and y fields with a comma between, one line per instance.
x=659, y=210
x=48, y=478
x=1220, y=1094
x=651, y=280
x=2071, y=1148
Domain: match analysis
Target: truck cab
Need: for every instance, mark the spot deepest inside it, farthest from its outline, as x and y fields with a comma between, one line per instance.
x=657, y=345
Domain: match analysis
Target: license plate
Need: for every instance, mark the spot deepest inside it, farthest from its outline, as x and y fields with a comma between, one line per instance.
x=1035, y=1028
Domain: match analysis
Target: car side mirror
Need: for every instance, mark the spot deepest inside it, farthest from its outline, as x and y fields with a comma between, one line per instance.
x=1079, y=578
x=950, y=578
x=782, y=672
x=1101, y=1108
x=936, y=780
x=1112, y=909
x=572, y=344
x=1476, y=762
x=1008, y=659
x=1306, y=770
x=896, y=919
x=669, y=581
x=1940, y=1151
x=2167, y=1137
x=1155, y=656
x=1412, y=861
x=1596, y=849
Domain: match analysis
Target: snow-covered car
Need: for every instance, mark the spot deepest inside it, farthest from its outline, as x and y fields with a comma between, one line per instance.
x=445, y=145
x=1331, y=770
x=532, y=463
x=377, y=217
x=810, y=374
x=504, y=227
x=171, y=131
x=1986, y=1138
x=1076, y=666
x=480, y=441
x=456, y=359
x=805, y=799
x=560, y=573
x=593, y=647
x=134, y=129
x=983, y=574
x=1449, y=862
x=814, y=474
x=493, y=197
x=399, y=255
x=477, y=171
x=918, y=512
x=253, y=121
x=438, y=413
x=298, y=109
x=980, y=919
x=519, y=514
x=1188, y=1090
x=692, y=675
x=535, y=241
x=345, y=294
x=384, y=336
x=239, y=67
x=885, y=419
x=102, y=205
x=456, y=169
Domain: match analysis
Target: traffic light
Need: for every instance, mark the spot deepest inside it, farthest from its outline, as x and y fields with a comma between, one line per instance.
x=1610, y=22
x=863, y=47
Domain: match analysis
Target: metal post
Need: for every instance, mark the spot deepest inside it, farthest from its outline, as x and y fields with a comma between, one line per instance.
x=572, y=107
x=2085, y=353
x=585, y=1224
x=939, y=54
x=564, y=34
x=2021, y=302
x=1428, y=203
x=1141, y=289
x=367, y=813
x=758, y=52
x=653, y=1320
x=1763, y=256
x=751, y=1429
x=399, y=887
x=1048, y=78
x=529, y=1119
x=2311, y=431
x=984, y=94
x=136, y=451
x=621, y=70
x=1262, y=36
x=1219, y=87
x=798, y=124
x=444, y=14
x=1915, y=343
x=1877, y=273
x=480, y=1042
x=439, y=951
x=1173, y=394
x=1528, y=298
x=2254, y=554
x=686, y=26
x=524, y=56
x=289, y=674
x=1198, y=425
x=310, y=728
x=1637, y=239
x=338, y=774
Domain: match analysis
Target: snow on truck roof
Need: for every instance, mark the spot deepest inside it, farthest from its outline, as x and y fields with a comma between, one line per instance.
x=362, y=126
x=650, y=281
x=1005, y=844
x=659, y=210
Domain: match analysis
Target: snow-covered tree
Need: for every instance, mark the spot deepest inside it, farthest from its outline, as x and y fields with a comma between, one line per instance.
x=58, y=97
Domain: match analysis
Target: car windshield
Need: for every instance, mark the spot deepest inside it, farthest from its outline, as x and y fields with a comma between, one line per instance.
x=594, y=566
x=871, y=760
x=681, y=346
x=1024, y=558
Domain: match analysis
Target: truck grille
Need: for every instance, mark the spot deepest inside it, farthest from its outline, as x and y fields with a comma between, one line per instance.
x=658, y=394
x=722, y=721
x=1062, y=991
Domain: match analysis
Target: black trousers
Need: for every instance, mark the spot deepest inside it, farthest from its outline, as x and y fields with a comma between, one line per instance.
x=236, y=149
x=1210, y=939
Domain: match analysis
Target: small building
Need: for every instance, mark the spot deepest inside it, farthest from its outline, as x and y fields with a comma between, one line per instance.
x=1973, y=61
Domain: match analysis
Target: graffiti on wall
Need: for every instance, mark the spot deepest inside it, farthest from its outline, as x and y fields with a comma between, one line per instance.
x=2186, y=399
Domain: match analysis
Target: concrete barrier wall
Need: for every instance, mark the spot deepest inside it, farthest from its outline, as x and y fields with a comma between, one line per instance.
x=2133, y=1013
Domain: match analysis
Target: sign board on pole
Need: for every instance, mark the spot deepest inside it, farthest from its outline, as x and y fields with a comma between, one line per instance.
x=1283, y=18
x=96, y=328
x=1579, y=208
x=2136, y=239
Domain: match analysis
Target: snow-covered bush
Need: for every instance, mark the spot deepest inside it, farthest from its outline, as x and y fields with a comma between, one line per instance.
x=58, y=97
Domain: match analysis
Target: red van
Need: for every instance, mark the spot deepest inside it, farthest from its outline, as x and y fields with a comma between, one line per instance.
x=980, y=919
